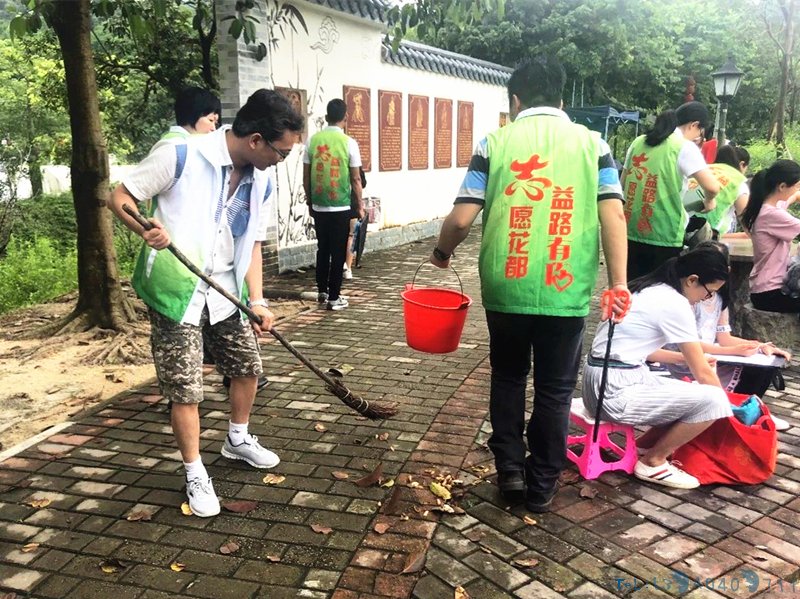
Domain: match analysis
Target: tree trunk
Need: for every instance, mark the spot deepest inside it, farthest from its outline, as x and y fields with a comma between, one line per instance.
x=101, y=300
x=787, y=8
x=206, y=41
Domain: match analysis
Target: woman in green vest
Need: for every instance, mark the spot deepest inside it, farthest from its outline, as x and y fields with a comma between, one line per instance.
x=734, y=192
x=654, y=177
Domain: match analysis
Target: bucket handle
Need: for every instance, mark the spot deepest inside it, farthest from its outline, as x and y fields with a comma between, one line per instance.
x=464, y=301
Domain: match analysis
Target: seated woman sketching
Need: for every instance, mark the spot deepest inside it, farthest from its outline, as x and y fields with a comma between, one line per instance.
x=677, y=411
x=714, y=330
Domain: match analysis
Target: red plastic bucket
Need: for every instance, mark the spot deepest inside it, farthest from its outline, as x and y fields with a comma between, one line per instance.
x=434, y=317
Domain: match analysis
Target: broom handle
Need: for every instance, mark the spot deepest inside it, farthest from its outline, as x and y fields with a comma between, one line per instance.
x=147, y=225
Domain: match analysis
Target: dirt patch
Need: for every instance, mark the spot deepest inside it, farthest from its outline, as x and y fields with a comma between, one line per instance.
x=45, y=382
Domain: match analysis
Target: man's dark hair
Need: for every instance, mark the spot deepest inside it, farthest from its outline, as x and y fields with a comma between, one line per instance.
x=191, y=103
x=269, y=114
x=336, y=111
x=538, y=81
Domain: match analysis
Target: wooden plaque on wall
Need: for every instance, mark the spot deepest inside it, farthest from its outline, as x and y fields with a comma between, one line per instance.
x=418, y=118
x=442, y=133
x=464, y=134
x=358, y=121
x=390, y=131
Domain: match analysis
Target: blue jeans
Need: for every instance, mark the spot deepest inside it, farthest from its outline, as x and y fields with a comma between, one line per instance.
x=555, y=343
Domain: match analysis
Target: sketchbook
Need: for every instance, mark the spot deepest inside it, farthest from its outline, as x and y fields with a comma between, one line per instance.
x=754, y=360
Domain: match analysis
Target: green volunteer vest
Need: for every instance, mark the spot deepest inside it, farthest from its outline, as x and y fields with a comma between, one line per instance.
x=539, y=251
x=730, y=180
x=653, y=202
x=330, y=168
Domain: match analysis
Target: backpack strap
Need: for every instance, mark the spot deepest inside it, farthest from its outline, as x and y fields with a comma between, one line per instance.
x=180, y=162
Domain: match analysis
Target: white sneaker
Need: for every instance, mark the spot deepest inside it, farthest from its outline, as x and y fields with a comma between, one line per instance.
x=322, y=297
x=666, y=474
x=250, y=451
x=202, y=499
x=781, y=424
x=338, y=304
x=348, y=273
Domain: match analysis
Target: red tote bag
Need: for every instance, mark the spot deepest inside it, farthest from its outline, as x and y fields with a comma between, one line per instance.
x=732, y=453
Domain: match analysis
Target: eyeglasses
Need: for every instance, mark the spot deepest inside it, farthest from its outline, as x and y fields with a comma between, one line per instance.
x=709, y=292
x=282, y=153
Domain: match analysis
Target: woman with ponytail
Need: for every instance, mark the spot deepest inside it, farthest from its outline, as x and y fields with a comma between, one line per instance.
x=654, y=178
x=678, y=411
x=772, y=229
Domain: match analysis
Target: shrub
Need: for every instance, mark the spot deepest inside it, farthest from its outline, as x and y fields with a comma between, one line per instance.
x=35, y=271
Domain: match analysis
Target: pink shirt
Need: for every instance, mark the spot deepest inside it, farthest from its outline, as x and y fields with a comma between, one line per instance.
x=772, y=236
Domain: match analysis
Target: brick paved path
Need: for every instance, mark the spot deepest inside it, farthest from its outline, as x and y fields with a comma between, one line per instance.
x=120, y=460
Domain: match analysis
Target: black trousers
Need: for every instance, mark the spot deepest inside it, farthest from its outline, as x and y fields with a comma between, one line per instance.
x=332, y=229
x=556, y=345
x=644, y=258
x=775, y=301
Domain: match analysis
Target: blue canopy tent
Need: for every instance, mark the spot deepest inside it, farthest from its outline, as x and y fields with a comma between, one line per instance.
x=602, y=118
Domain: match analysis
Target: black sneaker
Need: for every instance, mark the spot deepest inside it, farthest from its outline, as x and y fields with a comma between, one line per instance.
x=262, y=382
x=539, y=503
x=511, y=484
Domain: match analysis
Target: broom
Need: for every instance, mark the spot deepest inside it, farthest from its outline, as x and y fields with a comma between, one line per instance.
x=372, y=410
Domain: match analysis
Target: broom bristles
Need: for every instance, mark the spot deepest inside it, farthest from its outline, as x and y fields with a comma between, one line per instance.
x=372, y=410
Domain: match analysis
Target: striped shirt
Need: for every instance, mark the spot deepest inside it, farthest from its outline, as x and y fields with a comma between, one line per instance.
x=473, y=189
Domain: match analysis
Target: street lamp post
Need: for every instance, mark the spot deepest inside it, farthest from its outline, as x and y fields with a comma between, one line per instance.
x=726, y=84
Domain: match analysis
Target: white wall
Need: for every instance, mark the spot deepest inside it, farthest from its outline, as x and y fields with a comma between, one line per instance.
x=355, y=60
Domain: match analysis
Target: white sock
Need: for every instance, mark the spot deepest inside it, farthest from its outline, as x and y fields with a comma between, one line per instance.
x=195, y=469
x=237, y=432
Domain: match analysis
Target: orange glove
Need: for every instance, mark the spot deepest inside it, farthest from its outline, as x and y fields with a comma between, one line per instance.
x=615, y=302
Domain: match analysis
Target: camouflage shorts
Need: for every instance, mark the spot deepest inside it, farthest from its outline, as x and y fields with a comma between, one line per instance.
x=178, y=353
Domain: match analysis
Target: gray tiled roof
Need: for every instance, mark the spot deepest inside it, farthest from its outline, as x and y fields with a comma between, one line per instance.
x=373, y=10
x=428, y=58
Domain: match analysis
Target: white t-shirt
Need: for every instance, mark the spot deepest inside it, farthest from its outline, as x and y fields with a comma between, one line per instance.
x=659, y=315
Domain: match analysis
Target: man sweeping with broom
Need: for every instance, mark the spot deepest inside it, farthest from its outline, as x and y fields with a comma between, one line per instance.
x=210, y=194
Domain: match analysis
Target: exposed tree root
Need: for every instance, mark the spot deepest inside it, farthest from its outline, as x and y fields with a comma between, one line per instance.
x=123, y=349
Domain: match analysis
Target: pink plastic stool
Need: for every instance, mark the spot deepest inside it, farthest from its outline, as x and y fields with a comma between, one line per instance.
x=590, y=461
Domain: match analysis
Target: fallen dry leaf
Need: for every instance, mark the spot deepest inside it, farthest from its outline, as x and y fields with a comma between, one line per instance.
x=388, y=484
x=273, y=558
x=382, y=436
x=30, y=547
x=371, y=478
x=393, y=503
x=381, y=527
x=588, y=492
x=39, y=503
x=324, y=530
x=320, y=428
x=110, y=566
x=240, y=506
x=185, y=509
x=274, y=479
x=228, y=548
x=569, y=476
x=440, y=491
x=414, y=563
x=527, y=563
x=414, y=485
x=139, y=515
x=758, y=558
x=460, y=593
x=340, y=475
x=475, y=535
x=529, y=521
x=177, y=567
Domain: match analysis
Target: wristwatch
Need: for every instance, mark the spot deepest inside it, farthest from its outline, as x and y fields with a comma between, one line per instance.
x=260, y=302
x=440, y=255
